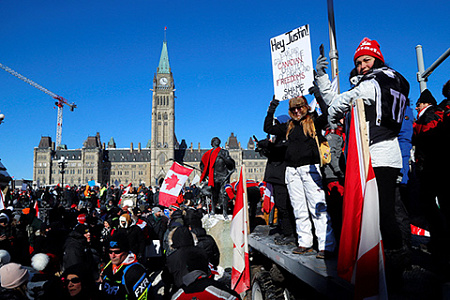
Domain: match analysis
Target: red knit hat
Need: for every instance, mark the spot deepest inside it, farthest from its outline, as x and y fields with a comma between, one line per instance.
x=81, y=218
x=368, y=47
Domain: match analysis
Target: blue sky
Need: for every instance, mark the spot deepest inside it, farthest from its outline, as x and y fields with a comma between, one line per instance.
x=102, y=55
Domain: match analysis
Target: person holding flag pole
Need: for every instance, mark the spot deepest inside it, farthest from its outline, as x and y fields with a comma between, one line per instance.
x=361, y=258
x=385, y=95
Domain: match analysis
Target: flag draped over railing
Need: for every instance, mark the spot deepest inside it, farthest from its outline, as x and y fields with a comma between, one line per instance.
x=361, y=259
x=173, y=182
x=240, y=274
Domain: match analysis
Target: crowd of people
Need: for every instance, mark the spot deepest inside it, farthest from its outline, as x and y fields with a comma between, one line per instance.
x=89, y=245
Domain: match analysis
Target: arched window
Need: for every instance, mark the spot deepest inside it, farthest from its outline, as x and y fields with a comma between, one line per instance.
x=165, y=116
x=159, y=116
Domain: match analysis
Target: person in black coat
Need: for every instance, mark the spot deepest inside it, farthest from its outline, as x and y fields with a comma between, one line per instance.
x=428, y=138
x=77, y=249
x=274, y=175
x=183, y=243
x=207, y=242
x=134, y=234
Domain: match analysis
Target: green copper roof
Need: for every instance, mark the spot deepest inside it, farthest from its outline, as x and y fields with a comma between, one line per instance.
x=111, y=143
x=164, y=67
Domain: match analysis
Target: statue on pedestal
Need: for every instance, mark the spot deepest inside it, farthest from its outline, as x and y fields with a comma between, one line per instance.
x=217, y=165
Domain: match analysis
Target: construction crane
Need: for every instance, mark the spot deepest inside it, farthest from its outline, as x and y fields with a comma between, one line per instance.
x=60, y=103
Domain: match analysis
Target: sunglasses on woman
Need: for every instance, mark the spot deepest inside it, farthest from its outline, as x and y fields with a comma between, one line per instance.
x=293, y=109
x=74, y=280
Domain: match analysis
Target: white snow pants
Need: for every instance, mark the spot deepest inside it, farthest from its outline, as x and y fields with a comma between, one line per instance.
x=308, y=197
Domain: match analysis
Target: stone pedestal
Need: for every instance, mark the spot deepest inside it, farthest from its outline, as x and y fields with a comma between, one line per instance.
x=219, y=229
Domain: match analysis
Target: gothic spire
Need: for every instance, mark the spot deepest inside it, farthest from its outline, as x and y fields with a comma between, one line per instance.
x=164, y=67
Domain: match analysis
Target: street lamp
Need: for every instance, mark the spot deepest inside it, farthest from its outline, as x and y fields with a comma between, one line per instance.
x=62, y=163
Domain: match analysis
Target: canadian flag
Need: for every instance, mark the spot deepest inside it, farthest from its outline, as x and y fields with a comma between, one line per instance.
x=173, y=182
x=127, y=189
x=268, y=200
x=361, y=259
x=240, y=273
x=2, y=200
x=36, y=207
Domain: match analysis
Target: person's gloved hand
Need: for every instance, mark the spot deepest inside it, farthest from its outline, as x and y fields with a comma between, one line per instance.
x=264, y=144
x=321, y=65
x=314, y=90
x=273, y=105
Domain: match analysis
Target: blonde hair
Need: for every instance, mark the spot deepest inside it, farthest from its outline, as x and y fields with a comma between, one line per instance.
x=306, y=122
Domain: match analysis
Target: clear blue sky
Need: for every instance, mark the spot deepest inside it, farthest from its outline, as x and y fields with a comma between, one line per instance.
x=103, y=54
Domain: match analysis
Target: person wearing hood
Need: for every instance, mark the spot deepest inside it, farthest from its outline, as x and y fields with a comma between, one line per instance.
x=77, y=249
x=124, y=277
x=181, y=241
x=134, y=233
x=207, y=242
x=197, y=281
x=303, y=176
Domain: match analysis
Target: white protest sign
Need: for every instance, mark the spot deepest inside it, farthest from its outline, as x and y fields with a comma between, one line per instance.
x=292, y=63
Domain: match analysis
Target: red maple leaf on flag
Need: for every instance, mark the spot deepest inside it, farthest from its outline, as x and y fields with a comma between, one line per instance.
x=171, y=181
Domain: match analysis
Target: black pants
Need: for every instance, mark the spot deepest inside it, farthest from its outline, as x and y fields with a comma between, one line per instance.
x=390, y=231
x=286, y=219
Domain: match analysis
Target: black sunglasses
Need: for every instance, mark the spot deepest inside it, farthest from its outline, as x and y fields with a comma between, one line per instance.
x=115, y=251
x=74, y=280
x=292, y=109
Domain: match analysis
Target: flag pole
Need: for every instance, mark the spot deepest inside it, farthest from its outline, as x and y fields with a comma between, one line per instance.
x=334, y=57
x=359, y=105
x=244, y=183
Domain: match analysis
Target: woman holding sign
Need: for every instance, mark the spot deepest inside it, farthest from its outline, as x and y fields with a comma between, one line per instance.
x=385, y=95
x=303, y=177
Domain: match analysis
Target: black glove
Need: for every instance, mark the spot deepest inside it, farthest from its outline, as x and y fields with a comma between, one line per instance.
x=273, y=105
x=321, y=65
x=314, y=90
x=263, y=143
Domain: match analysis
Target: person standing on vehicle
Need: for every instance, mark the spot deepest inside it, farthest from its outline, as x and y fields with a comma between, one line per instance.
x=303, y=177
x=274, y=174
x=385, y=95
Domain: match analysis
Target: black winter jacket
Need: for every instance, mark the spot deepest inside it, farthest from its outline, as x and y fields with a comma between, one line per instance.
x=301, y=149
x=207, y=242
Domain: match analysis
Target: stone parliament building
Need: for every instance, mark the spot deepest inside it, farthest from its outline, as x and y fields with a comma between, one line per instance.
x=107, y=164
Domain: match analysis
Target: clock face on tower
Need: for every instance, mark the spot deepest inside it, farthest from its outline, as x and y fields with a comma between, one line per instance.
x=163, y=81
